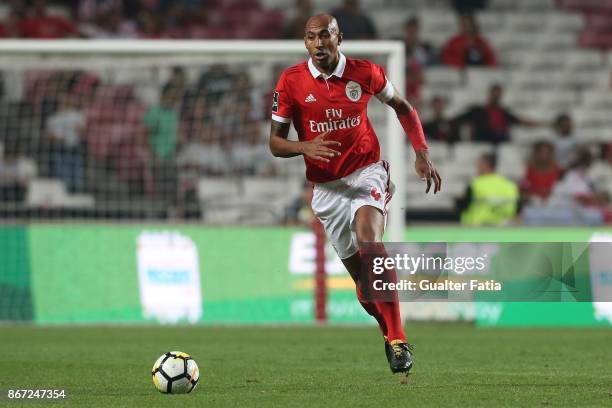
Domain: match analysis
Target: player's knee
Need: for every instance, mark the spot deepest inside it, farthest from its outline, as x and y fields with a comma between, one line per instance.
x=368, y=233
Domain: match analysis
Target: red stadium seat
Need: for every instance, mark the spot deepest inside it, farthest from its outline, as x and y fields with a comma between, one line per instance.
x=242, y=18
x=595, y=39
x=581, y=5
x=240, y=4
x=215, y=33
x=599, y=22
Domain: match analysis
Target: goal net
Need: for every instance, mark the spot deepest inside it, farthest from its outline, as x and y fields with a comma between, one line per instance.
x=156, y=130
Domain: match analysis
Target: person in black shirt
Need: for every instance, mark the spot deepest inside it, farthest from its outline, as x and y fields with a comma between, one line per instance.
x=492, y=122
x=355, y=25
x=439, y=127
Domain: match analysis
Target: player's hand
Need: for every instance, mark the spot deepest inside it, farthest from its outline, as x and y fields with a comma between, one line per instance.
x=427, y=171
x=320, y=149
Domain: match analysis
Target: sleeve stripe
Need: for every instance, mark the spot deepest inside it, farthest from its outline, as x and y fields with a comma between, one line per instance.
x=281, y=119
x=387, y=93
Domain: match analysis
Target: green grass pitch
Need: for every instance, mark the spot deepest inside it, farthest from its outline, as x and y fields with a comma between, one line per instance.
x=456, y=365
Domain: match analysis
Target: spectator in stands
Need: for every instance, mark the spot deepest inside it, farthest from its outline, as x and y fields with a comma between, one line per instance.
x=181, y=19
x=299, y=212
x=88, y=11
x=178, y=81
x=91, y=10
x=355, y=25
x=215, y=82
x=66, y=132
x=165, y=6
x=601, y=172
x=110, y=24
x=565, y=142
x=239, y=120
x=440, y=127
x=16, y=122
x=201, y=155
x=161, y=123
x=15, y=174
x=46, y=91
x=417, y=51
x=85, y=87
x=492, y=122
x=414, y=82
x=418, y=56
x=202, y=152
x=193, y=24
x=249, y=152
x=574, y=199
x=294, y=29
x=542, y=172
x=150, y=25
x=490, y=199
x=577, y=182
x=10, y=27
x=239, y=106
x=469, y=6
x=38, y=24
x=469, y=47
x=190, y=119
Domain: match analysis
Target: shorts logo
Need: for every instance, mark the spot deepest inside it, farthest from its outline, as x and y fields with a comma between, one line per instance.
x=275, y=102
x=353, y=91
x=375, y=194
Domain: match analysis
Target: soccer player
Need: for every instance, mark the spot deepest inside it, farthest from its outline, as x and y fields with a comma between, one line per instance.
x=326, y=98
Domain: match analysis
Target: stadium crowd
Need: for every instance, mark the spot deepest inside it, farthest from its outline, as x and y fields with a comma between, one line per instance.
x=100, y=138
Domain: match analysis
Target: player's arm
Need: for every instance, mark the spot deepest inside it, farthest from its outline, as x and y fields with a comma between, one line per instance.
x=522, y=121
x=279, y=145
x=411, y=124
x=317, y=148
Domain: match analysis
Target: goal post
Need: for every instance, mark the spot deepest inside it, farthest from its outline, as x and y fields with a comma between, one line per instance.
x=85, y=54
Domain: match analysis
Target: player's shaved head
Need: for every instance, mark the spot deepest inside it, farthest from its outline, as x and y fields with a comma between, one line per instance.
x=322, y=37
x=322, y=21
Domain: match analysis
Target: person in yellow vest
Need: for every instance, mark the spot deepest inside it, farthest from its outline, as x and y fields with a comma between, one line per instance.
x=491, y=199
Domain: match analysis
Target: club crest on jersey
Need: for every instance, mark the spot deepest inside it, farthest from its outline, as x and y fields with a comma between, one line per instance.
x=353, y=91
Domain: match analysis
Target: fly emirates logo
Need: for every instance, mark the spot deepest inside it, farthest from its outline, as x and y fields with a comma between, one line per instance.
x=334, y=121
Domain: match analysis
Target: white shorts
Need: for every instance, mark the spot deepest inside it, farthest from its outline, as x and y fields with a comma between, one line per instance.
x=336, y=202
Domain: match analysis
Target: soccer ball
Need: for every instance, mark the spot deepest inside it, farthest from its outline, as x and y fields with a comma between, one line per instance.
x=175, y=373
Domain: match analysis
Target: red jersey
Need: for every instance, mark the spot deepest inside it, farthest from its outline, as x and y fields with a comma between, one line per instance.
x=47, y=27
x=317, y=103
x=460, y=51
x=541, y=182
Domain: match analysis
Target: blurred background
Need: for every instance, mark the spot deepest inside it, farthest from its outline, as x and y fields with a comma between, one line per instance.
x=143, y=190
